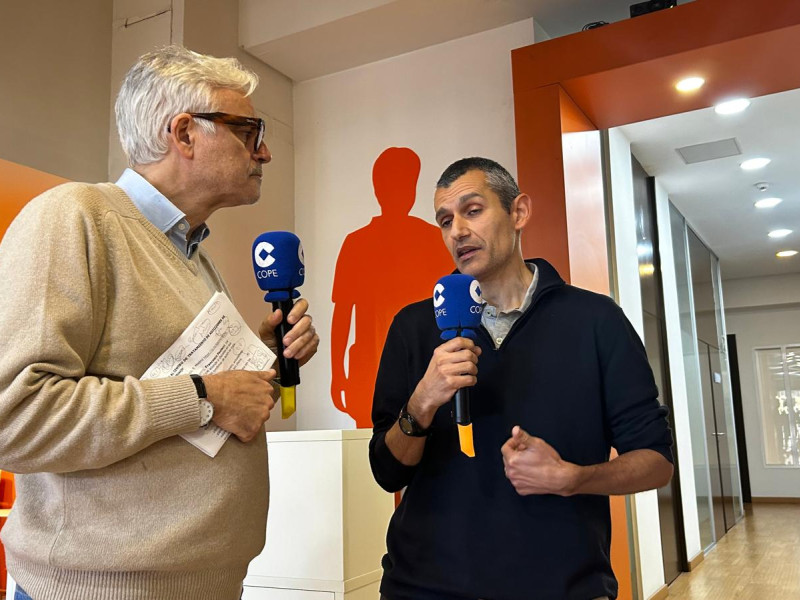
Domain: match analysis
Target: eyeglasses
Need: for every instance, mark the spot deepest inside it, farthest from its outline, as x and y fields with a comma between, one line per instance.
x=255, y=133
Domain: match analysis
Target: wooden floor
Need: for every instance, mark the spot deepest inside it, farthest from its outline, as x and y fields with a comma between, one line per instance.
x=758, y=559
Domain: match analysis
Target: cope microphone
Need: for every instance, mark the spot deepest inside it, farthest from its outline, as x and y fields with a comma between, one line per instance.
x=279, y=267
x=457, y=306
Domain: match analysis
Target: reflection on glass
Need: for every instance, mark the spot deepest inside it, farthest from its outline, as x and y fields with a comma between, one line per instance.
x=692, y=374
x=779, y=396
x=727, y=391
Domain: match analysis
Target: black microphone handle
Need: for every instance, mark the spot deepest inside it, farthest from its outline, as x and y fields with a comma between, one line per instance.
x=461, y=401
x=461, y=406
x=289, y=367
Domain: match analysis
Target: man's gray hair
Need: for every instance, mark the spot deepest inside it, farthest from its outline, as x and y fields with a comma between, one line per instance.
x=498, y=179
x=165, y=83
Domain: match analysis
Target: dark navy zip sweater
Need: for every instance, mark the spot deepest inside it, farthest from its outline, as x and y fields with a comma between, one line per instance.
x=571, y=371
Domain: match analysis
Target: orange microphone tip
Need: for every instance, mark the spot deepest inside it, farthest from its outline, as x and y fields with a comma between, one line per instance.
x=465, y=439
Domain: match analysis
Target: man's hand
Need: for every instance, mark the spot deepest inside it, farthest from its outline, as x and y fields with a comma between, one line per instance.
x=454, y=365
x=301, y=342
x=534, y=467
x=242, y=400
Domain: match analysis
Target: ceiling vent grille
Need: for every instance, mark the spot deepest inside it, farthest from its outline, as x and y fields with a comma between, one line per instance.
x=709, y=151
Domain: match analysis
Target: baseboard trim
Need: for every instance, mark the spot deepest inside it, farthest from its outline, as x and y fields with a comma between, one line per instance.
x=695, y=562
x=774, y=500
x=661, y=594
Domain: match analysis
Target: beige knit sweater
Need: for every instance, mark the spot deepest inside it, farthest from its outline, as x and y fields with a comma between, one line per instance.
x=112, y=503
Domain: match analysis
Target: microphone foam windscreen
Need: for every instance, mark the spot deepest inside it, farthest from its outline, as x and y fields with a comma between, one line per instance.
x=457, y=304
x=279, y=264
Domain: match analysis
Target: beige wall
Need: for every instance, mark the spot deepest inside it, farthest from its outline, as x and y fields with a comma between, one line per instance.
x=55, y=62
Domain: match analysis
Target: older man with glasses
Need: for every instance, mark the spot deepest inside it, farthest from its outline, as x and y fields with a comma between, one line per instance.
x=99, y=279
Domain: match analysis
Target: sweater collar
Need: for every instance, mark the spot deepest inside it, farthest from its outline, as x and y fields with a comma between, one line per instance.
x=548, y=277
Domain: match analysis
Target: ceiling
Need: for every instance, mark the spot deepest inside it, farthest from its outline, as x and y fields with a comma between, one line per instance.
x=304, y=39
x=717, y=196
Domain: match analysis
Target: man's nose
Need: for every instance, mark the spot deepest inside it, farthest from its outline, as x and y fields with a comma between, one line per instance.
x=262, y=154
x=458, y=228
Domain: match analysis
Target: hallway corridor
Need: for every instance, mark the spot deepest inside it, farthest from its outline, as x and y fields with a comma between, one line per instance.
x=758, y=559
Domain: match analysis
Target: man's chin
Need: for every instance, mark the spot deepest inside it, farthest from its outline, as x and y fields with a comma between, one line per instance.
x=467, y=267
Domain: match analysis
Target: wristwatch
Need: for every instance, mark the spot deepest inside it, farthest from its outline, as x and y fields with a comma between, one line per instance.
x=206, y=408
x=409, y=425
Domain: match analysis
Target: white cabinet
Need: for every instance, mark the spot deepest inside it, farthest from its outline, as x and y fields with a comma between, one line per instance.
x=327, y=521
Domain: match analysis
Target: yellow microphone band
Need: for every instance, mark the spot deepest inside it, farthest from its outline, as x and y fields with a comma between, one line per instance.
x=287, y=402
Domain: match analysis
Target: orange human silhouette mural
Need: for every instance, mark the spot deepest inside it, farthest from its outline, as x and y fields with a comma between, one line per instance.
x=394, y=260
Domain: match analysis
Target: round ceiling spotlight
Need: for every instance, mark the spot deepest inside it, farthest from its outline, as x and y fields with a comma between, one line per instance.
x=731, y=107
x=690, y=84
x=755, y=163
x=779, y=233
x=768, y=202
x=786, y=253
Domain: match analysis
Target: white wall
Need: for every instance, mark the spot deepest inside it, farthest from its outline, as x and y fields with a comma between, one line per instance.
x=762, y=311
x=444, y=102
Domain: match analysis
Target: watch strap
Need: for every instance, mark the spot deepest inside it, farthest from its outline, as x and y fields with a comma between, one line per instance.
x=206, y=408
x=199, y=386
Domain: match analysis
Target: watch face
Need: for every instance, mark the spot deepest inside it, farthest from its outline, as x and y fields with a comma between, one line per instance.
x=206, y=412
x=406, y=426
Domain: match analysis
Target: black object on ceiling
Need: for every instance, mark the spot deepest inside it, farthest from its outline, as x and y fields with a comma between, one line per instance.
x=643, y=8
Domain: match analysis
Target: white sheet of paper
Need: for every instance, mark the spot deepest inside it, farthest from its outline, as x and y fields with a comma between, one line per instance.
x=217, y=340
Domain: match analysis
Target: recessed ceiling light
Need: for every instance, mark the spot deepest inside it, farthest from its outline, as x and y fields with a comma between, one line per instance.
x=779, y=233
x=768, y=202
x=690, y=84
x=786, y=253
x=732, y=106
x=755, y=163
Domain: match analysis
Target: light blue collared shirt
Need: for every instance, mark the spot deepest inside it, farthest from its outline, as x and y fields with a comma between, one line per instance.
x=162, y=213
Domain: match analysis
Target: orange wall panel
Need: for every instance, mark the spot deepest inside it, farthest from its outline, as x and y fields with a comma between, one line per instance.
x=540, y=168
x=18, y=185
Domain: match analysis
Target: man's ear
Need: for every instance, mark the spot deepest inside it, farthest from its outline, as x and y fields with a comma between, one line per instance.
x=521, y=209
x=182, y=134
